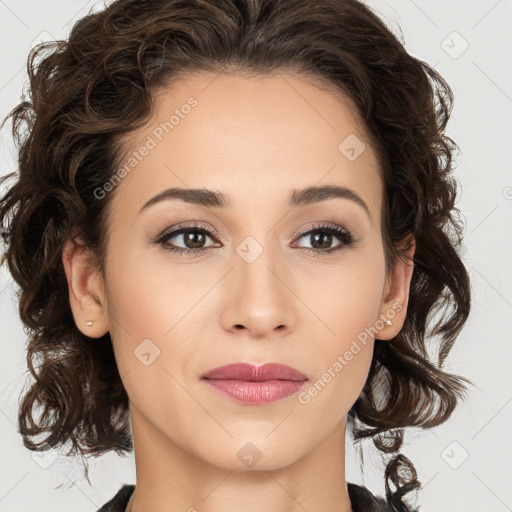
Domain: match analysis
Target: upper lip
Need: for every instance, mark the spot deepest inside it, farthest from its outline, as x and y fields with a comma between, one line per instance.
x=251, y=372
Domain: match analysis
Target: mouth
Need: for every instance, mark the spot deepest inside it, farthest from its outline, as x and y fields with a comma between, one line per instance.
x=250, y=384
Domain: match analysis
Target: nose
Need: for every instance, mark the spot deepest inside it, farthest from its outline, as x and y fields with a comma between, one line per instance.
x=260, y=302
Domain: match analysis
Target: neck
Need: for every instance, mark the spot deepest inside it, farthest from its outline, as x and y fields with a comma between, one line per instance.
x=170, y=478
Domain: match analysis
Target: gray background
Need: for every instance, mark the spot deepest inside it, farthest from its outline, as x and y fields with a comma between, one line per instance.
x=463, y=464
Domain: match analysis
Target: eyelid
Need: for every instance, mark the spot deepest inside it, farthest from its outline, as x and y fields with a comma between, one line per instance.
x=339, y=231
x=190, y=225
x=319, y=225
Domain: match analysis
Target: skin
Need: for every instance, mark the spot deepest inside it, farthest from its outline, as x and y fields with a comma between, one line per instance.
x=256, y=140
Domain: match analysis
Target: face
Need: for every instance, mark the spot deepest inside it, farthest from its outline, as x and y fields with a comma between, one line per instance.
x=273, y=275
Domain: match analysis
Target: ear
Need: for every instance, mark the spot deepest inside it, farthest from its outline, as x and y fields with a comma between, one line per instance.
x=395, y=297
x=86, y=290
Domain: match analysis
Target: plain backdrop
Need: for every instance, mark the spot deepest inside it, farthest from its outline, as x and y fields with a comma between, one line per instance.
x=465, y=464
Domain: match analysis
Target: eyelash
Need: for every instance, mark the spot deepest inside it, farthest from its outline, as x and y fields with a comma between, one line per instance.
x=346, y=238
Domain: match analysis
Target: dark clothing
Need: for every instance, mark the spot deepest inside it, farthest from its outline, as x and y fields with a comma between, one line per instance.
x=361, y=498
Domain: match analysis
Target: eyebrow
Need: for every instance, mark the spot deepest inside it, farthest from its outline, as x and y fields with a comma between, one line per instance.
x=215, y=199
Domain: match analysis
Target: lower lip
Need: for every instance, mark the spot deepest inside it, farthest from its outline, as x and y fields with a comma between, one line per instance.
x=250, y=392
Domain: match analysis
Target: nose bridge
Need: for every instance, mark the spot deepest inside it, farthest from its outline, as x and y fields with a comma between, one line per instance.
x=260, y=300
x=258, y=259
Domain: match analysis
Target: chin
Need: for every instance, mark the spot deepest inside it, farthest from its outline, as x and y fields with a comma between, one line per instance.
x=252, y=454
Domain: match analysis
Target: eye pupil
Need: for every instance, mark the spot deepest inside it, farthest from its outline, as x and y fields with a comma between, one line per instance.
x=192, y=236
x=322, y=237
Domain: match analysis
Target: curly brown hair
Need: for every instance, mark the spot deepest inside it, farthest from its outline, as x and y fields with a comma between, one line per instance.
x=86, y=93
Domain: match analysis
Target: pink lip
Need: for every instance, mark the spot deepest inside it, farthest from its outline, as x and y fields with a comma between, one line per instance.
x=252, y=384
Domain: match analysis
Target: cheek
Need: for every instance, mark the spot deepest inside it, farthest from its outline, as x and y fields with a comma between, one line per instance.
x=151, y=335
x=143, y=298
x=153, y=315
x=342, y=362
x=134, y=298
x=346, y=307
x=344, y=299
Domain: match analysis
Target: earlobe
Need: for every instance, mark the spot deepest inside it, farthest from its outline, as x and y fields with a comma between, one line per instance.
x=86, y=291
x=395, y=301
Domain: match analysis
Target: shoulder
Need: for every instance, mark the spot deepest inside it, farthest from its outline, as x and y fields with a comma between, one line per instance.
x=362, y=500
x=119, y=502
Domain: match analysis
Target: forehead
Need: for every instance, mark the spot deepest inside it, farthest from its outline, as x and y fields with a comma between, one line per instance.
x=253, y=138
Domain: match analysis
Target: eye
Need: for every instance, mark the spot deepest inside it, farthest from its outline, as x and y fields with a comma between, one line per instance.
x=321, y=237
x=192, y=237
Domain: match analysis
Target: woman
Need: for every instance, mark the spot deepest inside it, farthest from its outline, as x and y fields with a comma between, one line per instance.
x=174, y=158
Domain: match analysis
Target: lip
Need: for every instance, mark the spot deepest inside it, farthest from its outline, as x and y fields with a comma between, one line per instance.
x=253, y=373
x=251, y=384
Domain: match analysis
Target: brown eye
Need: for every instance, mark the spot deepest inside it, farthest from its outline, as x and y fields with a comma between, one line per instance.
x=322, y=237
x=191, y=238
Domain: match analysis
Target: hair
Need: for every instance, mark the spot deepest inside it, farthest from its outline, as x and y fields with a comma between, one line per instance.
x=88, y=92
